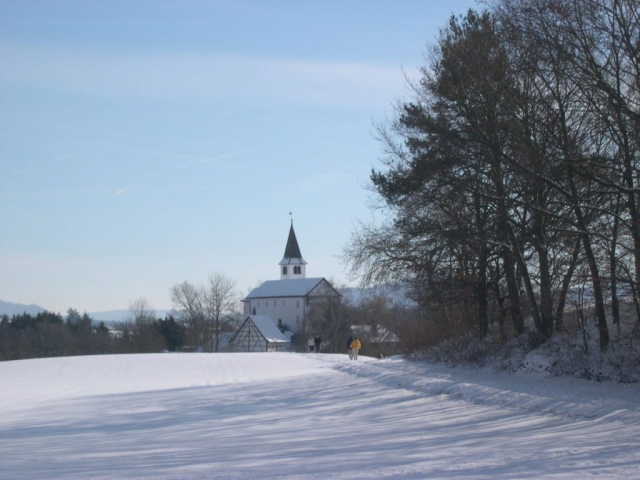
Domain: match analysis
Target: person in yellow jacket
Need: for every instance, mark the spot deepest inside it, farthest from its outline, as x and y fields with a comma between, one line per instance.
x=355, y=346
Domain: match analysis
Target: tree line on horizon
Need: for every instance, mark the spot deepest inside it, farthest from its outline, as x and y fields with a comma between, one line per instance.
x=510, y=179
x=201, y=314
x=48, y=334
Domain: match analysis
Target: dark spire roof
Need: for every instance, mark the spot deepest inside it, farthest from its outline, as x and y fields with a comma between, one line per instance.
x=292, y=250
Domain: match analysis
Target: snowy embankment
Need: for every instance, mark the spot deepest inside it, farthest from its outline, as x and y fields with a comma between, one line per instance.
x=232, y=416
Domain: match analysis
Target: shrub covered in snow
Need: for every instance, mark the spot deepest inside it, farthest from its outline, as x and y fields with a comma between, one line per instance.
x=564, y=354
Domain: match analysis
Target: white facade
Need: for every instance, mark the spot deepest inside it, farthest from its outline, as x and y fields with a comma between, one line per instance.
x=289, y=310
x=288, y=300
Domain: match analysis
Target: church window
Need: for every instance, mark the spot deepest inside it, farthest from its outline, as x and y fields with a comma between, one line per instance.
x=298, y=304
x=284, y=270
x=254, y=310
x=297, y=270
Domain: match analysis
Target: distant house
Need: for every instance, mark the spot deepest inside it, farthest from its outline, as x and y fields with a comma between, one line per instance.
x=374, y=333
x=258, y=333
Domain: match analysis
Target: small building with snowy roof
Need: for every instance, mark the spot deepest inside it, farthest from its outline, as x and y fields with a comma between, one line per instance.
x=288, y=300
x=375, y=333
x=258, y=333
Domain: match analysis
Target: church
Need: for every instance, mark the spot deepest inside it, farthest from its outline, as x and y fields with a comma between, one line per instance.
x=285, y=302
x=288, y=300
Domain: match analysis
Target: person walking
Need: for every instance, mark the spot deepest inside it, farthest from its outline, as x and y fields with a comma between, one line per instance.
x=317, y=342
x=349, y=346
x=311, y=344
x=355, y=346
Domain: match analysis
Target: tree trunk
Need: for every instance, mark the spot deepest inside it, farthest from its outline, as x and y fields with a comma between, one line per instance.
x=513, y=291
x=502, y=312
x=524, y=272
x=615, y=305
x=507, y=254
x=601, y=316
x=566, y=283
x=481, y=293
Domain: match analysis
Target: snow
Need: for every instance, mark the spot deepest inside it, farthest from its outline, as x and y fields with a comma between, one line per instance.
x=298, y=287
x=268, y=328
x=307, y=416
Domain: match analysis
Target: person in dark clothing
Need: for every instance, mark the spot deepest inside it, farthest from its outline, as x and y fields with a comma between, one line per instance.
x=317, y=341
x=349, y=345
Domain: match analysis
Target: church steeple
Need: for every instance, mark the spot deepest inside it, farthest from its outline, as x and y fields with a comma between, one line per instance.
x=292, y=264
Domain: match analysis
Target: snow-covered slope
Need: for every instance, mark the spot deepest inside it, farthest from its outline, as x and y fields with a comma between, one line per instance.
x=291, y=416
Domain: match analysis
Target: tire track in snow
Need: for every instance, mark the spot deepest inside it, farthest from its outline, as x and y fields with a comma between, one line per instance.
x=566, y=397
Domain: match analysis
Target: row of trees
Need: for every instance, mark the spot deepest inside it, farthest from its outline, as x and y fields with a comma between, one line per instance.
x=201, y=314
x=511, y=178
x=48, y=334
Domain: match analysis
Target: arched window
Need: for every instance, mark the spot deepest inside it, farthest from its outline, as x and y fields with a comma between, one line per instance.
x=254, y=310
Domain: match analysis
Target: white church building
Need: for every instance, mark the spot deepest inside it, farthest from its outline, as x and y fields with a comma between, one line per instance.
x=289, y=300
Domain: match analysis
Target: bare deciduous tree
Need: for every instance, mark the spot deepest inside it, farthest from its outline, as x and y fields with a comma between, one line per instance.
x=220, y=302
x=188, y=299
x=141, y=311
x=205, y=309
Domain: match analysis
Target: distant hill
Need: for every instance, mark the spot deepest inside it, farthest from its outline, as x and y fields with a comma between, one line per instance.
x=397, y=295
x=8, y=308
x=111, y=316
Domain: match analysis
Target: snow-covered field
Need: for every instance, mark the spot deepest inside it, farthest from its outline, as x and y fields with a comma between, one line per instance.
x=291, y=416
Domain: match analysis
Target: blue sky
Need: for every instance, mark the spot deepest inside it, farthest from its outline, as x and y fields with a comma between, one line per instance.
x=144, y=143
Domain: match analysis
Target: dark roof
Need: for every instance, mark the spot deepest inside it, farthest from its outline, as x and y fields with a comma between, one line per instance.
x=292, y=250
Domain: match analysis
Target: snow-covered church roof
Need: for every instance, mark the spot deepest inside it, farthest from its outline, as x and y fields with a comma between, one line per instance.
x=285, y=288
x=268, y=328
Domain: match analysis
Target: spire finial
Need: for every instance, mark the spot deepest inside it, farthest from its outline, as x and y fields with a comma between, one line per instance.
x=291, y=216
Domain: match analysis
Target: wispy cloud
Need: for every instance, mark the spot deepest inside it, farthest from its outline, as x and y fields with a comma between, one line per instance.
x=199, y=161
x=122, y=190
x=187, y=76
